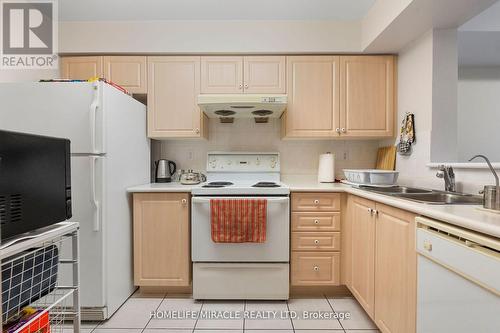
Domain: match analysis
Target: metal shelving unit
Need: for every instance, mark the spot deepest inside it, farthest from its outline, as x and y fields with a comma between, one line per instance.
x=30, y=267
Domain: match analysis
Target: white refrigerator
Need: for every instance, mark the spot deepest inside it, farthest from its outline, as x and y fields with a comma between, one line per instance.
x=110, y=152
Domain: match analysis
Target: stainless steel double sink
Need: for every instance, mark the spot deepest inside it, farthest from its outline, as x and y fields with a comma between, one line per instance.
x=427, y=196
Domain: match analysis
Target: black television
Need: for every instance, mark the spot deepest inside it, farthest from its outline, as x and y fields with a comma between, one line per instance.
x=35, y=182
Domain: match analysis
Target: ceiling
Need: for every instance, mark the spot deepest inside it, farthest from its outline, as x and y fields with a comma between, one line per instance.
x=138, y=10
x=479, y=39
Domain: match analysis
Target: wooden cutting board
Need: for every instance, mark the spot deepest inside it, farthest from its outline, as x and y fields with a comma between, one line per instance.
x=386, y=158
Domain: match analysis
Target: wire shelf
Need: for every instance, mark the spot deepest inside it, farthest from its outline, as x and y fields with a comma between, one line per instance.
x=32, y=298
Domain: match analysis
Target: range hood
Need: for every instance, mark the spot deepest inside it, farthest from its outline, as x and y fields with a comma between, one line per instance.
x=230, y=106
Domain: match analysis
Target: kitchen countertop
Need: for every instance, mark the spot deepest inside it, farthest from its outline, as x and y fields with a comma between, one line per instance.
x=467, y=216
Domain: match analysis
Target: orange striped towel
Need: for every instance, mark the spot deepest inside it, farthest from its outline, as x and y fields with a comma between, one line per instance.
x=238, y=220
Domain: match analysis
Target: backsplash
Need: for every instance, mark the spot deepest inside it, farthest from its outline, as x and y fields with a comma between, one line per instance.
x=298, y=157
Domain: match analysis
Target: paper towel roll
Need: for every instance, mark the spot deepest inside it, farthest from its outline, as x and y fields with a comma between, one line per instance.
x=326, y=169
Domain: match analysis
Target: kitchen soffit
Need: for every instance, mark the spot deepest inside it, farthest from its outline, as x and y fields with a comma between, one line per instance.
x=133, y=10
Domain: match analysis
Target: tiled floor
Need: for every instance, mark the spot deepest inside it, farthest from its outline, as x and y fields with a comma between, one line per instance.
x=134, y=316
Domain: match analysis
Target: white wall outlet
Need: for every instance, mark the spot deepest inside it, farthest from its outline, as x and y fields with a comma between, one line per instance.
x=345, y=155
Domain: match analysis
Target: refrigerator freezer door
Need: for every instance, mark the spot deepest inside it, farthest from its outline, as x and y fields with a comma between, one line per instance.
x=71, y=110
x=87, y=201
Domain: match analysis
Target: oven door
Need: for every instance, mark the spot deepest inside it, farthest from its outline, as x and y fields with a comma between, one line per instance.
x=274, y=249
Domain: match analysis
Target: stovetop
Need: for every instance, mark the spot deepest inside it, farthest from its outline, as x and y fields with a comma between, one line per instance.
x=242, y=173
x=241, y=188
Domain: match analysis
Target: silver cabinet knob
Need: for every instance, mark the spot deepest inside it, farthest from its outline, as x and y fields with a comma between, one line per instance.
x=316, y=241
x=316, y=268
x=428, y=246
x=197, y=130
x=343, y=130
x=316, y=201
x=370, y=210
x=184, y=201
x=246, y=85
x=316, y=221
x=240, y=86
x=337, y=130
x=375, y=212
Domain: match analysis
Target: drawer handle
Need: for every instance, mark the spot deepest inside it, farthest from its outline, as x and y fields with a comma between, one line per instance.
x=428, y=246
x=316, y=221
x=316, y=202
x=316, y=268
x=316, y=241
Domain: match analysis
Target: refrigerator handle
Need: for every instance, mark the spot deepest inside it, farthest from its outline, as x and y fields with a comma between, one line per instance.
x=97, y=209
x=93, y=119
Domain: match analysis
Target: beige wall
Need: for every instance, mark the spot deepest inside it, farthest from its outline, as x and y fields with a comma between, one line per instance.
x=18, y=75
x=298, y=157
x=210, y=37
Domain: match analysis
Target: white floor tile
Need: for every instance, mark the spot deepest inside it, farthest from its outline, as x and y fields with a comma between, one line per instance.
x=135, y=313
x=179, y=306
x=312, y=306
x=273, y=331
x=362, y=331
x=276, y=319
x=321, y=331
x=230, y=307
x=220, y=331
x=359, y=320
x=167, y=330
x=117, y=330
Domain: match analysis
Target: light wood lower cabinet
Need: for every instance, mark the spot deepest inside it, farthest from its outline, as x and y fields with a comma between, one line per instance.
x=363, y=256
x=315, y=259
x=161, y=239
x=382, y=263
x=395, y=270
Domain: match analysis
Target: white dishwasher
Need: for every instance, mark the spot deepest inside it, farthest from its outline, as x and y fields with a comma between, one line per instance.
x=458, y=279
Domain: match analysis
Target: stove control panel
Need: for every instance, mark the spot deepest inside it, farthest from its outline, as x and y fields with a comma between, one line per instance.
x=243, y=162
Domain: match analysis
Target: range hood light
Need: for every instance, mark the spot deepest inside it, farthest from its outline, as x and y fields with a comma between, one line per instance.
x=262, y=113
x=225, y=113
x=242, y=107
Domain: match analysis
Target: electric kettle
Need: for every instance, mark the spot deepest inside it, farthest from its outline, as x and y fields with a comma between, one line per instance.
x=164, y=171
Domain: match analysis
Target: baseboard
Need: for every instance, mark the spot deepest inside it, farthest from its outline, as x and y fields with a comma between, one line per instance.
x=317, y=291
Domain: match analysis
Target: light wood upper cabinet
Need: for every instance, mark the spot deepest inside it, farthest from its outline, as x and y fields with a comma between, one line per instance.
x=395, y=270
x=127, y=71
x=243, y=75
x=264, y=74
x=367, y=96
x=313, y=97
x=161, y=239
x=174, y=86
x=222, y=75
x=81, y=68
x=362, y=252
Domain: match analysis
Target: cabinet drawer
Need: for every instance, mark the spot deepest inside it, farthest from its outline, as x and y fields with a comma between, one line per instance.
x=315, y=202
x=316, y=241
x=315, y=268
x=309, y=221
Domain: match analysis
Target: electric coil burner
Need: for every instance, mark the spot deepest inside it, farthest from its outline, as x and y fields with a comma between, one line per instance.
x=266, y=184
x=217, y=184
x=241, y=270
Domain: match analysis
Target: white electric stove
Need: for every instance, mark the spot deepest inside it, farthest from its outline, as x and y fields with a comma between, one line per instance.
x=241, y=270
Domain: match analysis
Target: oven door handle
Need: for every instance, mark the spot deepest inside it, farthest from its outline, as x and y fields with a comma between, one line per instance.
x=272, y=200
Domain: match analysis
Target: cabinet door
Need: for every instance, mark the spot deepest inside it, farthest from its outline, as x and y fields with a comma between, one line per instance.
x=313, y=97
x=367, y=96
x=174, y=86
x=395, y=270
x=362, y=252
x=81, y=68
x=161, y=239
x=128, y=72
x=221, y=75
x=264, y=75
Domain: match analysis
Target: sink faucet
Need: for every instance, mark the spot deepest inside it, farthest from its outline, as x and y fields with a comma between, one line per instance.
x=446, y=172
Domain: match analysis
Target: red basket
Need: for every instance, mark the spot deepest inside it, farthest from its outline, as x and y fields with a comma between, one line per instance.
x=38, y=323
